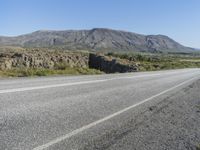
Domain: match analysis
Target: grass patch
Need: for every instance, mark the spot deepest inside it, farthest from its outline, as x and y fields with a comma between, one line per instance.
x=198, y=147
x=23, y=72
x=153, y=62
x=190, y=60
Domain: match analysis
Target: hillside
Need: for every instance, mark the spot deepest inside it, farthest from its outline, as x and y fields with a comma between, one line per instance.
x=97, y=40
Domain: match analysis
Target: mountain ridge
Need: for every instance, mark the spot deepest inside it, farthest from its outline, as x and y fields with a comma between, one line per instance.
x=96, y=39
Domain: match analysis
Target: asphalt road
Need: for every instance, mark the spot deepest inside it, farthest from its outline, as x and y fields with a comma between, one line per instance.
x=64, y=113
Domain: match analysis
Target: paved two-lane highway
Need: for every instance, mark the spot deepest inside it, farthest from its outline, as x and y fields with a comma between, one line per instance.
x=70, y=112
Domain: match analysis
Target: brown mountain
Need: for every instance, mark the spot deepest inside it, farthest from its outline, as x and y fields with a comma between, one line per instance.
x=96, y=39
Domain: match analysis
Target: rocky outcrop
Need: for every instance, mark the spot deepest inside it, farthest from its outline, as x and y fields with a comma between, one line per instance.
x=62, y=60
x=39, y=59
x=111, y=65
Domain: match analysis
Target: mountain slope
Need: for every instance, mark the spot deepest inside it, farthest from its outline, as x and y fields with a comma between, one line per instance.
x=96, y=39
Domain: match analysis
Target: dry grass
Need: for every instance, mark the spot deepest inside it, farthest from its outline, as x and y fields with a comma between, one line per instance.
x=23, y=72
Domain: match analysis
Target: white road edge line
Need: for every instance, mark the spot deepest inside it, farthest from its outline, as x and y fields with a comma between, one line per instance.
x=69, y=84
x=77, y=131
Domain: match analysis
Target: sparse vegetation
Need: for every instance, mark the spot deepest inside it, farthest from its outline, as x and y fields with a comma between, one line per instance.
x=198, y=147
x=43, y=62
x=152, y=62
x=21, y=62
x=24, y=72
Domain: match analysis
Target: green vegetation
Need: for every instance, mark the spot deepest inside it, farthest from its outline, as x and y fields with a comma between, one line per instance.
x=152, y=62
x=24, y=72
x=198, y=147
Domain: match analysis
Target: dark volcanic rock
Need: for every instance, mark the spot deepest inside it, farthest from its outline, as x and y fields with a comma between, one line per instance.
x=109, y=65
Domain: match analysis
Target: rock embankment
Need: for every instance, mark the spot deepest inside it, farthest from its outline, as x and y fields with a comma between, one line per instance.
x=111, y=65
x=58, y=59
x=39, y=59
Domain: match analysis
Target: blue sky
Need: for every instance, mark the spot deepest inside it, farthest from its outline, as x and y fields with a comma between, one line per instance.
x=179, y=19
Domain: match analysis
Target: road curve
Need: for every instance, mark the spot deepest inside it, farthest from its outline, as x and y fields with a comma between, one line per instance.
x=69, y=112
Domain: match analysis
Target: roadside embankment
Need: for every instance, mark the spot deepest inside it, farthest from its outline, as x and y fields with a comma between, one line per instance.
x=50, y=62
x=42, y=62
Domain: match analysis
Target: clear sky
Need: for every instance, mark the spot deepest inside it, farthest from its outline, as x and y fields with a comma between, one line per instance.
x=179, y=19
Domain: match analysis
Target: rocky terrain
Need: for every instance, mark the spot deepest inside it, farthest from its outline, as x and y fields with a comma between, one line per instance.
x=96, y=40
x=51, y=59
x=41, y=59
x=110, y=65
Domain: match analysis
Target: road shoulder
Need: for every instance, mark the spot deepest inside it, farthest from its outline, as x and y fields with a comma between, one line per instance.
x=172, y=124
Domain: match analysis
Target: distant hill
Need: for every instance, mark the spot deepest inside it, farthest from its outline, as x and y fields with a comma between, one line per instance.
x=96, y=39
